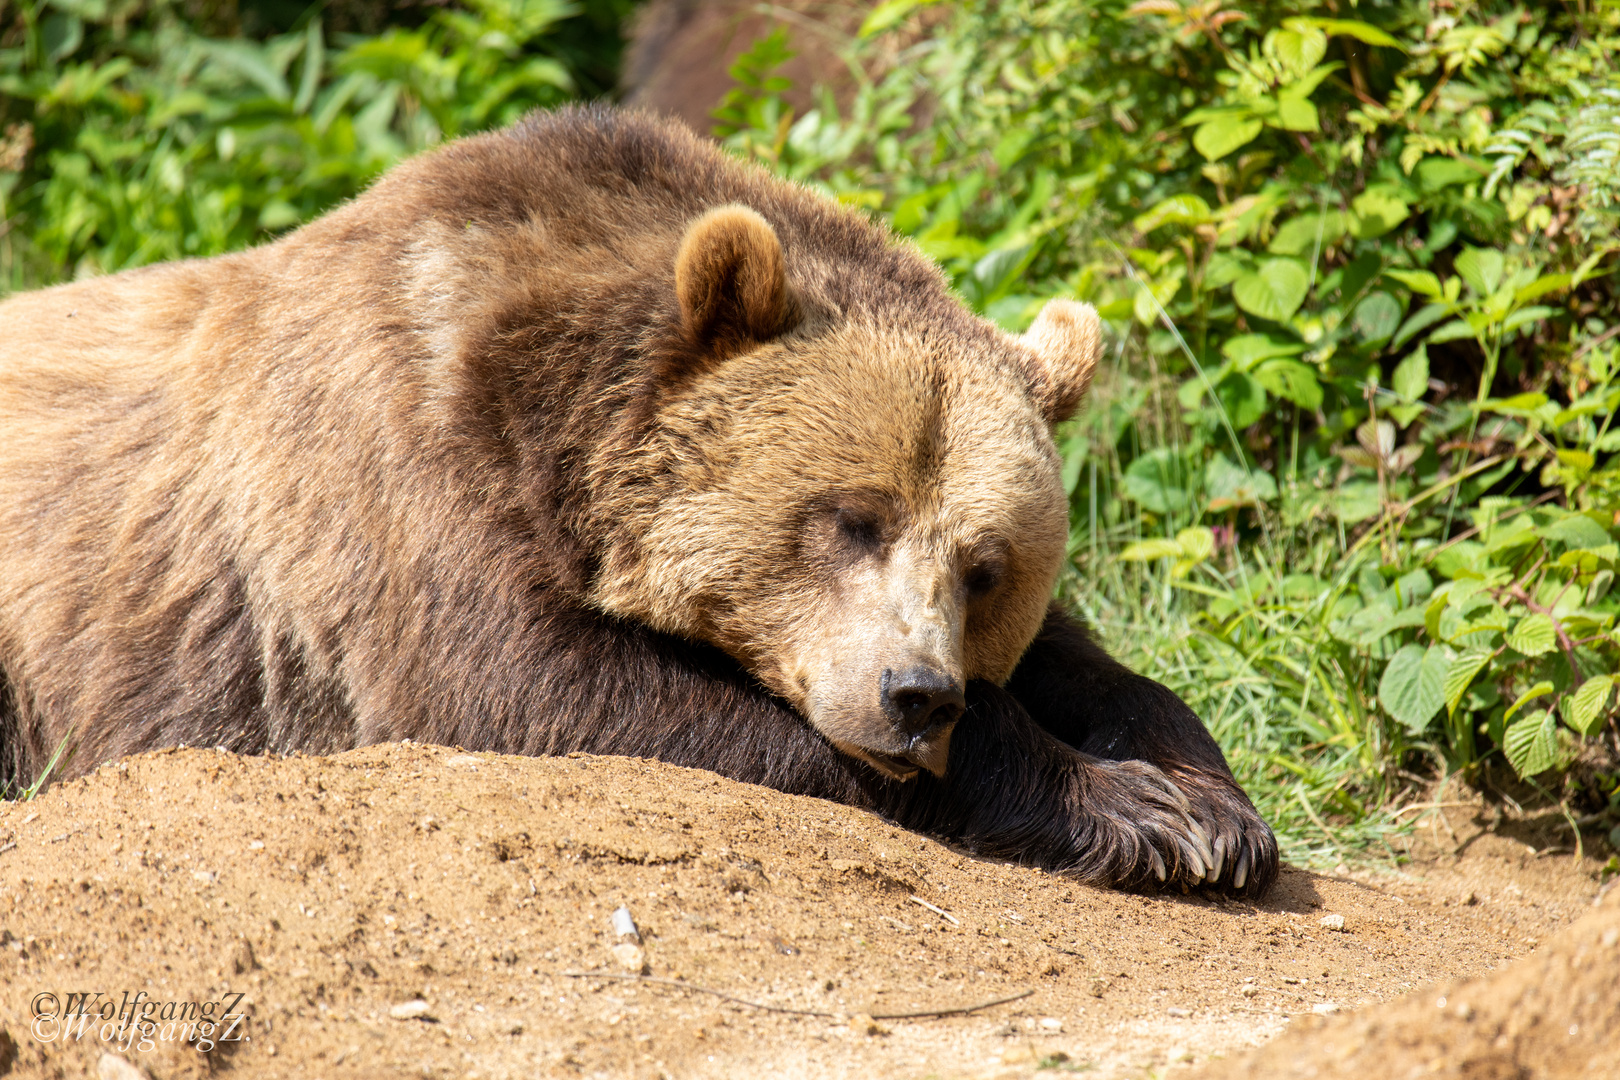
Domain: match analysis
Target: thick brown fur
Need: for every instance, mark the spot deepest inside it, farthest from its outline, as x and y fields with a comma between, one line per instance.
x=581, y=436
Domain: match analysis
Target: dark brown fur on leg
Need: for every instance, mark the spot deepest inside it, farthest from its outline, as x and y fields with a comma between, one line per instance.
x=1073, y=689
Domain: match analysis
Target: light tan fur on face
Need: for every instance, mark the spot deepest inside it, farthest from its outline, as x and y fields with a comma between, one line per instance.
x=764, y=448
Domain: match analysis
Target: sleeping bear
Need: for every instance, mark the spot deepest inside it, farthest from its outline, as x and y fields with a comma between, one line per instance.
x=581, y=436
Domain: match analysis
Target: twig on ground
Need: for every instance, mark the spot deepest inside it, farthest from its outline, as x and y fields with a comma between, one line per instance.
x=936, y=910
x=722, y=995
x=1428, y=806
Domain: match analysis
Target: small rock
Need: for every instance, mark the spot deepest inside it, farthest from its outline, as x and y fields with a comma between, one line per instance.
x=113, y=1067
x=1463, y=1011
x=1173, y=1011
x=1051, y=1025
x=1249, y=990
x=464, y=761
x=410, y=1010
x=1469, y=899
x=205, y=877
x=863, y=1024
x=1611, y=936
x=1324, y=1008
x=631, y=957
x=624, y=925
x=242, y=959
x=1099, y=985
x=1331, y=922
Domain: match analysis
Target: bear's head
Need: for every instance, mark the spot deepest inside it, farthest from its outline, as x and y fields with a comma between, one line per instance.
x=861, y=503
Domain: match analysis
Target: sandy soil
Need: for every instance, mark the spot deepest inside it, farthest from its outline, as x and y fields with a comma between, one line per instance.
x=415, y=911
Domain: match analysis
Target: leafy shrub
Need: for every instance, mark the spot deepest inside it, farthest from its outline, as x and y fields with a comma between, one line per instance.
x=130, y=137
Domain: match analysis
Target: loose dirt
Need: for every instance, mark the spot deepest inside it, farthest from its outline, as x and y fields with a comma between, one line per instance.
x=415, y=911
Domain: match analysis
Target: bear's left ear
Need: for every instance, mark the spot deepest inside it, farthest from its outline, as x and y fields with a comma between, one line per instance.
x=1066, y=338
x=731, y=282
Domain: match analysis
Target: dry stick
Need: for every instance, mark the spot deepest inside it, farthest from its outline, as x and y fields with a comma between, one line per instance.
x=924, y=1014
x=936, y=910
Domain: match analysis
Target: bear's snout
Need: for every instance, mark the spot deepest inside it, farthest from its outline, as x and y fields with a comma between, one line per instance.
x=921, y=699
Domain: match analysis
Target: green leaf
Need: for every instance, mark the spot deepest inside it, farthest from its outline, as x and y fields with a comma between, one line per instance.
x=1575, y=531
x=1176, y=210
x=1299, y=49
x=1460, y=674
x=1542, y=286
x=1292, y=380
x=1229, y=485
x=1531, y=743
x=1482, y=269
x=1420, y=320
x=1218, y=137
x=1148, y=550
x=1419, y=281
x=1455, y=330
x=1247, y=350
x=1376, y=317
x=1308, y=231
x=887, y=14
x=1412, y=688
x=1349, y=28
x=1156, y=480
x=1533, y=313
x=1243, y=397
x=1533, y=635
x=1274, y=290
x=1436, y=173
x=1296, y=114
x=1542, y=687
x=1411, y=378
x=1587, y=706
x=1377, y=210
x=1197, y=543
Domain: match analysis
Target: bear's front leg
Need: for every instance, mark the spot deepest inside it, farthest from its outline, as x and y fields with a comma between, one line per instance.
x=1012, y=790
x=1077, y=692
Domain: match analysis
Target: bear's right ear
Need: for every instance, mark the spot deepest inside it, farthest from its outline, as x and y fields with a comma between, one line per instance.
x=1066, y=339
x=731, y=282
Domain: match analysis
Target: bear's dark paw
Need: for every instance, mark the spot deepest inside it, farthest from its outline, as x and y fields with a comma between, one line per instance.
x=1243, y=845
x=1138, y=831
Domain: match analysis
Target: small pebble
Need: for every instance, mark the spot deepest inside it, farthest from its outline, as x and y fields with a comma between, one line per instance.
x=113, y=1067
x=1463, y=1011
x=1324, y=1008
x=624, y=925
x=1051, y=1024
x=1249, y=990
x=630, y=957
x=1331, y=922
x=862, y=1024
x=410, y=1010
x=1178, y=1012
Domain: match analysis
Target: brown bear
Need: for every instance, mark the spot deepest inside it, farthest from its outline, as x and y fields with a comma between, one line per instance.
x=583, y=436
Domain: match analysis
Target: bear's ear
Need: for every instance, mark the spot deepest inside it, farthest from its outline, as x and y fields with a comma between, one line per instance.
x=731, y=282
x=1066, y=339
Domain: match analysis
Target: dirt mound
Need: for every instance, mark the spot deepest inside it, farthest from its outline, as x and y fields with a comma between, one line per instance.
x=410, y=909
x=1555, y=1014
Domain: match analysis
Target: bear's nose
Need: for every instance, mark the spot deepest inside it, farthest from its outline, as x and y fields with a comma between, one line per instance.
x=921, y=699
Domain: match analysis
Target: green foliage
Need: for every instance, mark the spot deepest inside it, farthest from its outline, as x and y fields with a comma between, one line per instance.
x=131, y=138
x=1360, y=272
